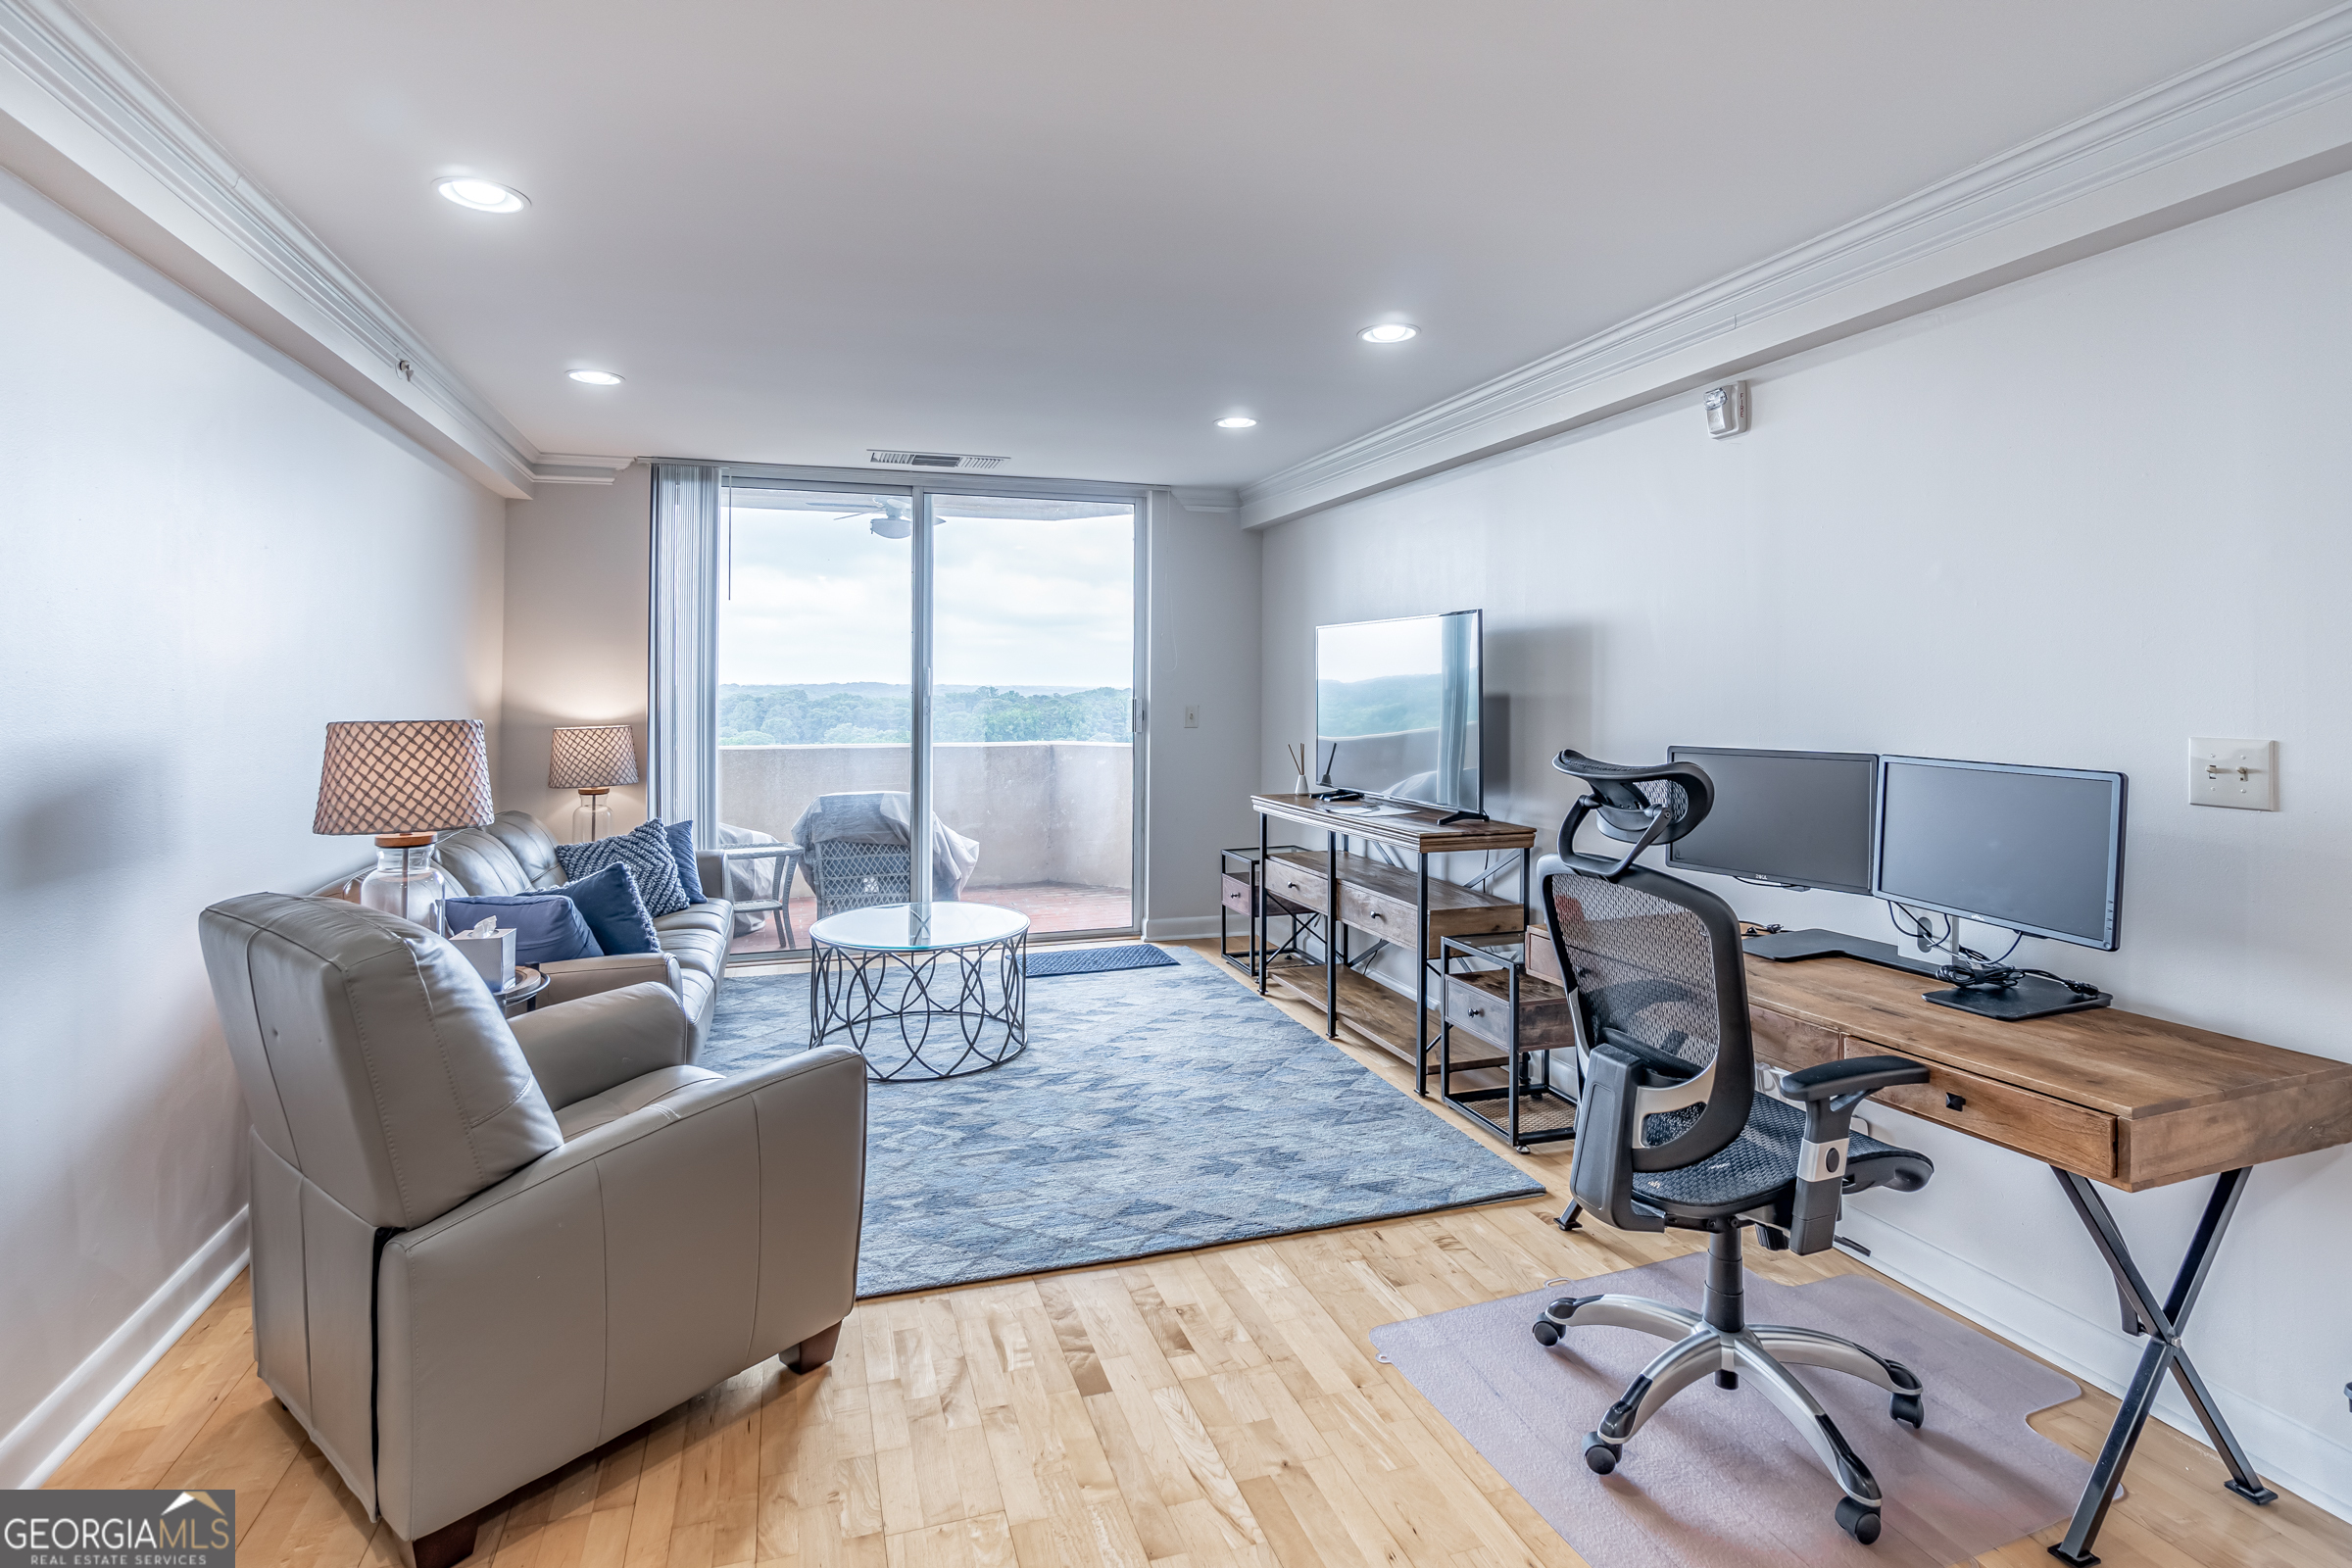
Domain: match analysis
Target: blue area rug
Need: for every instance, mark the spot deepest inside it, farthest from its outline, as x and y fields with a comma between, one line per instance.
x=1158, y=1110
x=1096, y=961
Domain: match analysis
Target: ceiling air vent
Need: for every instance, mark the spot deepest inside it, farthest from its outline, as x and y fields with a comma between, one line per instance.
x=933, y=460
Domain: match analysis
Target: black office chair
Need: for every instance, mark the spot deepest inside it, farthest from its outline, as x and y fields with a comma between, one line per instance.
x=1671, y=1131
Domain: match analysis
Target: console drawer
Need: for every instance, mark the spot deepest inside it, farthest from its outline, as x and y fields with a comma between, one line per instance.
x=1235, y=895
x=1308, y=887
x=2056, y=1131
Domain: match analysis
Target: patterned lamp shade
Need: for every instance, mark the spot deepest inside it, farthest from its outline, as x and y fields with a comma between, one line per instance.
x=592, y=756
x=410, y=775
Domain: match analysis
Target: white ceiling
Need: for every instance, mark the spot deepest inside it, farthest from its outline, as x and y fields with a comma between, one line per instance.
x=1074, y=232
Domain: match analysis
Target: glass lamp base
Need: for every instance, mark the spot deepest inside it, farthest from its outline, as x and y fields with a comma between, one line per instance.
x=405, y=882
x=592, y=819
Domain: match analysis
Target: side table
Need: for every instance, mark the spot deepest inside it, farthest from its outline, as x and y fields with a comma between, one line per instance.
x=924, y=991
x=1488, y=992
x=521, y=991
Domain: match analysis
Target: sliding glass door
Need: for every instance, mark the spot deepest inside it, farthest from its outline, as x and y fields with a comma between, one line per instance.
x=879, y=646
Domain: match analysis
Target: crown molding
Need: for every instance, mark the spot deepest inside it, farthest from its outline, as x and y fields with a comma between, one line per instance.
x=82, y=124
x=2271, y=116
x=1206, y=498
x=572, y=468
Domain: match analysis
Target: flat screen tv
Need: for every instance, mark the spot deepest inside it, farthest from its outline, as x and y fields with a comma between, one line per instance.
x=1397, y=710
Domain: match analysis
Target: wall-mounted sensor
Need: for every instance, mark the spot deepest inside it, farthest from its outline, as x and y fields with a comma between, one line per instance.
x=1727, y=408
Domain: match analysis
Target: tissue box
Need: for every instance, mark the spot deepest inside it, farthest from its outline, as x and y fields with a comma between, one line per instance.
x=492, y=952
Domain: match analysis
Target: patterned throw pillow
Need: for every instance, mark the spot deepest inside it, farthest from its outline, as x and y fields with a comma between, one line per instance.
x=645, y=851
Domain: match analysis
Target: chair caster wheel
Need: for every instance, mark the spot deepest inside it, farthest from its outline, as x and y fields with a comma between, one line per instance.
x=1857, y=1521
x=1908, y=1407
x=1546, y=1332
x=1602, y=1456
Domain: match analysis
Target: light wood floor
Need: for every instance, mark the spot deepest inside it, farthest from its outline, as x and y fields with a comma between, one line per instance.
x=1210, y=1409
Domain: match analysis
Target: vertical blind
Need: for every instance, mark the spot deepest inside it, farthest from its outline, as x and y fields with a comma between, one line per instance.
x=682, y=700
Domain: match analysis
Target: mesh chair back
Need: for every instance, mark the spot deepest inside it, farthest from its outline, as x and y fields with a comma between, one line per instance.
x=849, y=875
x=1657, y=968
x=1645, y=966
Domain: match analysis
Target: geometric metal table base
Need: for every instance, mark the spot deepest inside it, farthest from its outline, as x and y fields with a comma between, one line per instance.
x=943, y=1009
x=2164, y=1325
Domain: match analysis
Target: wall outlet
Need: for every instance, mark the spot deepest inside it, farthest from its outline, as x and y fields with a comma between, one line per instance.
x=1191, y=716
x=2238, y=774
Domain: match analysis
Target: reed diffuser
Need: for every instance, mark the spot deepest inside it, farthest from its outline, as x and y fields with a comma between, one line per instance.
x=1297, y=751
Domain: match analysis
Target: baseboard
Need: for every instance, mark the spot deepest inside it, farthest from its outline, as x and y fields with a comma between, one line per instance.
x=1183, y=928
x=2286, y=1452
x=42, y=1441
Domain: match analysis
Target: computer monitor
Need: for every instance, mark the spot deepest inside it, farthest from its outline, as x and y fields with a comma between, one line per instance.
x=1798, y=819
x=2037, y=850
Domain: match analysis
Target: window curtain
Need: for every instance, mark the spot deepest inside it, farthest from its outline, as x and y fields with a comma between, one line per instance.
x=682, y=671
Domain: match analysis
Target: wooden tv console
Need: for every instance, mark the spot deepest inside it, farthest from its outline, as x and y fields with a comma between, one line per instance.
x=1401, y=904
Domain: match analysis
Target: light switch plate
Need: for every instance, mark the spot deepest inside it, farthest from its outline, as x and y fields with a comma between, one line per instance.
x=1191, y=716
x=2239, y=773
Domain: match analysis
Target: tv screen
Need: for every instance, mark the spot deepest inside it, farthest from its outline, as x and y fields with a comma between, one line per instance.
x=1795, y=818
x=1397, y=710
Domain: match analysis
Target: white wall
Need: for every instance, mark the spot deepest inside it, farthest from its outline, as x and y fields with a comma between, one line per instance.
x=1203, y=653
x=576, y=599
x=210, y=555
x=2072, y=522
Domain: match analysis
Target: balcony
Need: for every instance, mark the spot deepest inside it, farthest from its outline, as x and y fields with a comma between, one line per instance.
x=1054, y=819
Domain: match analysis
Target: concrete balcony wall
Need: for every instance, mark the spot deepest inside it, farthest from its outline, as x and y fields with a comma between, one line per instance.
x=1041, y=810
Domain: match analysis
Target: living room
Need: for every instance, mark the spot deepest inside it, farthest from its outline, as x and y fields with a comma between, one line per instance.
x=1852, y=382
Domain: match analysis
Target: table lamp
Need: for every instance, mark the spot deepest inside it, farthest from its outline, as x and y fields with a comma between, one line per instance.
x=592, y=759
x=404, y=780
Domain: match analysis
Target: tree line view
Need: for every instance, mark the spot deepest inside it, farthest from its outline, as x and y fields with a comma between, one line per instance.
x=875, y=712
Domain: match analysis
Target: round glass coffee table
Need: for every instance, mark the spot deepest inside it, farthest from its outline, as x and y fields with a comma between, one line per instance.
x=923, y=990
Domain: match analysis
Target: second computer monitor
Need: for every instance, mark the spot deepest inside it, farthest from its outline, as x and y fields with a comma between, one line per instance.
x=1797, y=818
x=2037, y=850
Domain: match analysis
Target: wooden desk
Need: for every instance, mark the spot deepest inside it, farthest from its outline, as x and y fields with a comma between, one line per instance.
x=2104, y=1096
x=2125, y=1100
x=1353, y=892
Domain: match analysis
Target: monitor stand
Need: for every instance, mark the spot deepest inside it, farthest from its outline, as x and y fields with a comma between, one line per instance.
x=2027, y=996
x=1787, y=946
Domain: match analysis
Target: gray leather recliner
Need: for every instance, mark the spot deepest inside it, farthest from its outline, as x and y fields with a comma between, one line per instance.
x=480, y=1249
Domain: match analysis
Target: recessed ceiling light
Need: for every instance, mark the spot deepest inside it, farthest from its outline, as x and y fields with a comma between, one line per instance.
x=1236, y=421
x=482, y=195
x=595, y=377
x=1388, y=332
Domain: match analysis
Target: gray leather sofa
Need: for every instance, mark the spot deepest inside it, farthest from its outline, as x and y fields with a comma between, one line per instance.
x=481, y=1249
x=516, y=855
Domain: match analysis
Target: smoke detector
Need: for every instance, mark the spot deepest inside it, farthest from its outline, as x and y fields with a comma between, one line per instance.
x=934, y=460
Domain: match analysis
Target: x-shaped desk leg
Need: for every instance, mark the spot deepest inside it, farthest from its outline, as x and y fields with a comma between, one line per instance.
x=2164, y=1326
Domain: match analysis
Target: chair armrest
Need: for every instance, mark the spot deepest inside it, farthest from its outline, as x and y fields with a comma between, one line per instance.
x=1601, y=1171
x=590, y=1043
x=1829, y=1092
x=1857, y=1076
x=568, y=979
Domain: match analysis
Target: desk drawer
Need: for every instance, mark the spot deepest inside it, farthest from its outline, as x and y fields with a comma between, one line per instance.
x=1307, y=888
x=1789, y=1043
x=2058, y=1132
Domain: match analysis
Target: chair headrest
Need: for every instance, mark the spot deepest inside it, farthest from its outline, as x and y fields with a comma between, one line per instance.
x=1627, y=808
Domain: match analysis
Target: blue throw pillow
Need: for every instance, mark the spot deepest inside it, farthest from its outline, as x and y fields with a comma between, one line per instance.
x=610, y=902
x=645, y=851
x=690, y=875
x=547, y=926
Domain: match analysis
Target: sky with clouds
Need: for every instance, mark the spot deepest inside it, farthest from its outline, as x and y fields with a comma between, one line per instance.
x=815, y=597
